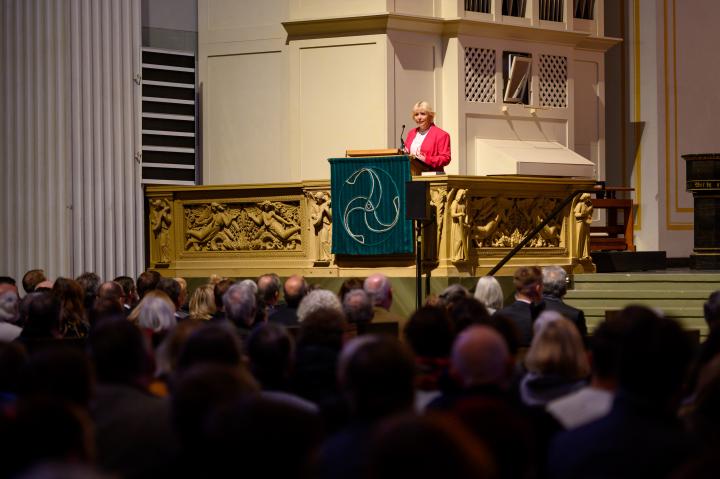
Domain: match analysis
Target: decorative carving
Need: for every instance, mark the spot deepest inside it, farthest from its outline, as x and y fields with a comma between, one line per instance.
x=500, y=222
x=321, y=224
x=160, y=221
x=438, y=197
x=241, y=227
x=460, y=226
x=583, y=218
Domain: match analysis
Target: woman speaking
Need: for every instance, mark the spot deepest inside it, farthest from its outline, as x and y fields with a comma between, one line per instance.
x=427, y=142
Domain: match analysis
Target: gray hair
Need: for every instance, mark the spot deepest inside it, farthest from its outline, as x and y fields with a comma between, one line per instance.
x=554, y=281
x=546, y=317
x=9, y=303
x=453, y=293
x=315, y=301
x=357, y=306
x=489, y=292
x=156, y=312
x=240, y=302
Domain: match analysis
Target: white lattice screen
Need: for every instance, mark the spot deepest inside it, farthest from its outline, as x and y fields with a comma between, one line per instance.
x=553, y=81
x=480, y=75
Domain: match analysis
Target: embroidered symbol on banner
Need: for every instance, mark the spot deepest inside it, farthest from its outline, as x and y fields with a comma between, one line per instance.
x=369, y=204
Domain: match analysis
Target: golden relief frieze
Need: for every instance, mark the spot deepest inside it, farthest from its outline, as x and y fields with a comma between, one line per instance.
x=503, y=222
x=243, y=226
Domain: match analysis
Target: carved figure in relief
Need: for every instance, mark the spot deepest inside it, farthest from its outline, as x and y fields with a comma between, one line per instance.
x=583, y=218
x=272, y=225
x=550, y=234
x=321, y=221
x=160, y=221
x=208, y=228
x=489, y=212
x=460, y=226
x=438, y=197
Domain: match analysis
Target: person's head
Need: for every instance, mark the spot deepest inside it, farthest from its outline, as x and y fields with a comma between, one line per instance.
x=154, y=312
x=376, y=374
x=5, y=280
x=323, y=328
x=211, y=343
x=112, y=291
x=423, y=114
x=119, y=353
x=480, y=356
x=378, y=287
x=605, y=351
x=557, y=349
x=429, y=332
x=147, y=281
x=172, y=289
x=183, y=291
x=202, y=302
x=270, y=349
x=316, y=300
x=62, y=373
x=544, y=318
x=130, y=296
x=32, y=278
x=554, y=281
x=429, y=446
x=489, y=292
x=269, y=288
x=348, y=285
x=465, y=311
x=40, y=314
x=240, y=304
x=295, y=289
x=654, y=356
x=711, y=310
x=528, y=283
x=219, y=290
x=357, y=307
x=453, y=293
x=90, y=282
x=9, y=305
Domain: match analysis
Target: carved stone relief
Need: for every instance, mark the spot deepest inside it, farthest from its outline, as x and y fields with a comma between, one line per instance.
x=501, y=222
x=321, y=224
x=268, y=225
x=438, y=198
x=160, y=222
x=460, y=218
x=583, y=211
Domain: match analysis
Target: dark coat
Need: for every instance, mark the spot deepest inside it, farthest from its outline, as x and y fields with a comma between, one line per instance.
x=555, y=303
x=523, y=315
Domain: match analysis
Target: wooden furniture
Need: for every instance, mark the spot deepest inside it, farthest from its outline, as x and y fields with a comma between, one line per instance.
x=617, y=237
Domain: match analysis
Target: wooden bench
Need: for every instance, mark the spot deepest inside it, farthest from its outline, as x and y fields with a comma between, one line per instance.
x=617, y=236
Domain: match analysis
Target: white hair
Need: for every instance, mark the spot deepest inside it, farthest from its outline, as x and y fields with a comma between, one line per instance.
x=240, y=302
x=489, y=293
x=315, y=301
x=9, y=307
x=156, y=314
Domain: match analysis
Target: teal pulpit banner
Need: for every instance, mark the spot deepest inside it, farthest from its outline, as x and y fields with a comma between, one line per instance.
x=368, y=197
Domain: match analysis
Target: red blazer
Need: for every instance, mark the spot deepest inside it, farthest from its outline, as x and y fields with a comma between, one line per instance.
x=435, y=147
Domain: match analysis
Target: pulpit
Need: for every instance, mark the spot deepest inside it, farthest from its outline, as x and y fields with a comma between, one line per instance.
x=703, y=181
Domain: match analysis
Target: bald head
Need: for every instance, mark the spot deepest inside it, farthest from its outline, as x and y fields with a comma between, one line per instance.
x=378, y=287
x=480, y=356
x=295, y=290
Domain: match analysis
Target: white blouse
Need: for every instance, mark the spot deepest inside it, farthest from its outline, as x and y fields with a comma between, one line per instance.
x=417, y=142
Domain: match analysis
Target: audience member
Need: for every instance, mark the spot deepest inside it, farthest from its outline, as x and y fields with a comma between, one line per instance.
x=89, y=283
x=269, y=291
x=556, y=362
x=294, y=291
x=594, y=400
x=358, y=309
x=378, y=287
x=453, y=293
x=316, y=300
x=211, y=343
x=155, y=313
x=202, y=303
x=9, y=312
x=31, y=279
x=555, y=281
x=130, y=297
x=184, y=306
x=173, y=290
x=528, y=292
x=429, y=333
x=489, y=293
x=73, y=318
x=376, y=375
x=465, y=311
x=240, y=306
x=641, y=436
x=133, y=430
x=348, y=285
x=40, y=313
x=147, y=281
x=219, y=291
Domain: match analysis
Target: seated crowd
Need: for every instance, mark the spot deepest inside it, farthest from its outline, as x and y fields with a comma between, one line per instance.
x=139, y=378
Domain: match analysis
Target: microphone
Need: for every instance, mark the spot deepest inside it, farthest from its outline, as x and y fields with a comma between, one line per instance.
x=402, y=142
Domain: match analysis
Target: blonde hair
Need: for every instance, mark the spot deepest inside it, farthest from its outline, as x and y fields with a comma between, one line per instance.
x=423, y=106
x=558, y=349
x=202, y=302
